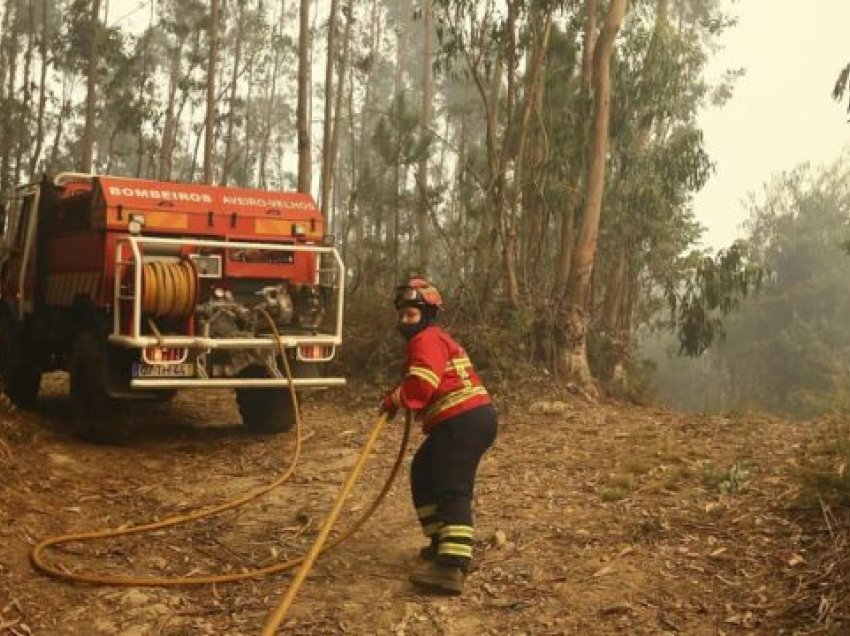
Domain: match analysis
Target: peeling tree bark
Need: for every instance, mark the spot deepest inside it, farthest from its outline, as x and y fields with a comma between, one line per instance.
x=618, y=306
x=567, y=233
x=572, y=360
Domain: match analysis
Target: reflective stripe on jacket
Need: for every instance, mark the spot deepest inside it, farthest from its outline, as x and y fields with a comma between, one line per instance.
x=439, y=379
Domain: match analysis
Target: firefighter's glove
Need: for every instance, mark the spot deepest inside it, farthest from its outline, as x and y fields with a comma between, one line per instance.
x=391, y=403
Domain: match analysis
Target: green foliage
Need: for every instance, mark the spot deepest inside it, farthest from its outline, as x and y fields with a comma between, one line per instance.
x=715, y=287
x=398, y=139
x=731, y=481
x=787, y=348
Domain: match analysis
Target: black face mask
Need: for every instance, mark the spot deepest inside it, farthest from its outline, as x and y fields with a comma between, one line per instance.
x=408, y=330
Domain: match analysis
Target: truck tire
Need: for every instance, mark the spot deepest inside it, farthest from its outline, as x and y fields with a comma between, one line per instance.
x=265, y=410
x=90, y=403
x=21, y=377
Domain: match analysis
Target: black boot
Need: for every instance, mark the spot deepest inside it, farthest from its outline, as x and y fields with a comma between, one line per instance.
x=442, y=579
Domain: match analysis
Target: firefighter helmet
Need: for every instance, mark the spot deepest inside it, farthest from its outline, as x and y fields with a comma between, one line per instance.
x=418, y=292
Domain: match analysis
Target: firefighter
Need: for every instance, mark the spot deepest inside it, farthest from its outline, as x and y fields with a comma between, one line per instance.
x=441, y=387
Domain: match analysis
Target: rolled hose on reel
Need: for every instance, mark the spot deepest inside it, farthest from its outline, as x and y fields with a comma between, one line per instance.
x=169, y=289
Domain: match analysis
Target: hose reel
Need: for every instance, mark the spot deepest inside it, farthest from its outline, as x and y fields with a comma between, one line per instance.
x=169, y=289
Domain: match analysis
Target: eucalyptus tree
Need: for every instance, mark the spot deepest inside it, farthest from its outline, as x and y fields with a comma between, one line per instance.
x=259, y=50
x=481, y=42
x=274, y=115
x=181, y=24
x=786, y=348
x=305, y=44
x=401, y=143
x=47, y=34
x=372, y=90
x=342, y=72
x=236, y=41
x=425, y=121
x=327, y=155
x=87, y=142
x=210, y=118
x=658, y=163
x=572, y=355
x=9, y=68
x=129, y=108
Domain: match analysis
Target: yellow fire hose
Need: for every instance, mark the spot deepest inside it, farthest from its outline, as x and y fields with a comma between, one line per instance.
x=277, y=616
x=306, y=561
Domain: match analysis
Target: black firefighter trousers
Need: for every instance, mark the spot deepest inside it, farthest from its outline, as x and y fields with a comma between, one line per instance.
x=442, y=481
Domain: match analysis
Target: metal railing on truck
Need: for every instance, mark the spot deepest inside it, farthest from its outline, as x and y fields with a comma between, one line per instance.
x=129, y=257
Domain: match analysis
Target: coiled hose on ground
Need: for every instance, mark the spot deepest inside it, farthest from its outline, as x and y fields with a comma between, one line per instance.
x=40, y=563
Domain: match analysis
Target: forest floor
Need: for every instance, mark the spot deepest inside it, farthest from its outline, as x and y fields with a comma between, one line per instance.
x=593, y=517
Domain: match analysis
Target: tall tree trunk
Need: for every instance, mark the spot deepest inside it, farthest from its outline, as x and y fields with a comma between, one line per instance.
x=327, y=125
x=573, y=354
x=363, y=142
x=10, y=40
x=64, y=112
x=618, y=306
x=6, y=49
x=140, y=130
x=352, y=220
x=234, y=82
x=567, y=234
x=271, y=98
x=504, y=190
x=534, y=212
x=110, y=147
x=398, y=87
x=302, y=113
x=487, y=238
x=342, y=71
x=24, y=136
x=422, y=210
x=198, y=130
x=247, y=151
x=520, y=134
x=42, y=90
x=87, y=160
x=614, y=307
x=166, y=147
x=209, y=125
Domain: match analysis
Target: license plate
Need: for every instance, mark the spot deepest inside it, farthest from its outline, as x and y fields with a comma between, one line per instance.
x=184, y=370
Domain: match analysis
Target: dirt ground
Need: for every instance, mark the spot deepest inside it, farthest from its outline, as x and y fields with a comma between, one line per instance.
x=592, y=518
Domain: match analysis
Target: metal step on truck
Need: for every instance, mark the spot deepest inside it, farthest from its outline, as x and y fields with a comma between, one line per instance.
x=138, y=288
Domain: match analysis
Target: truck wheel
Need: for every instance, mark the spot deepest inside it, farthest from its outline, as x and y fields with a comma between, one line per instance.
x=90, y=403
x=21, y=379
x=265, y=410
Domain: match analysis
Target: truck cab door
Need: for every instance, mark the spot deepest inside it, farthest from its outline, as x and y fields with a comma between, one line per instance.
x=17, y=250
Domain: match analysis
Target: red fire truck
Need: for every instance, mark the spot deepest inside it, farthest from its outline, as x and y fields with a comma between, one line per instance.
x=138, y=288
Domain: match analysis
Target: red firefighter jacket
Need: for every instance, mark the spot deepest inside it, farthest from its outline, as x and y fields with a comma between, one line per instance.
x=439, y=381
